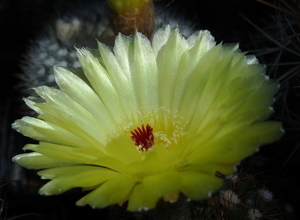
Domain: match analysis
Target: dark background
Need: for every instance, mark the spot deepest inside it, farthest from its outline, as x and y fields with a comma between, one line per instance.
x=276, y=164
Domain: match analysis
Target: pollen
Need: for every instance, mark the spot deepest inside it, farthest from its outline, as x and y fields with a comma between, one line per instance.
x=143, y=137
x=159, y=126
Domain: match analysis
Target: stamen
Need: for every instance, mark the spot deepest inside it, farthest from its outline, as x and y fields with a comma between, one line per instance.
x=143, y=137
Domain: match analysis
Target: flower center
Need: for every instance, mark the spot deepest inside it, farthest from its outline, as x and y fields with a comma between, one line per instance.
x=158, y=126
x=143, y=137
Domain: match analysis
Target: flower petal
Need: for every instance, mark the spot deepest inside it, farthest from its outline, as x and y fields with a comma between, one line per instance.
x=36, y=160
x=102, y=83
x=86, y=98
x=233, y=148
x=163, y=183
x=120, y=77
x=141, y=199
x=152, y=163
x=145, y=87
x=113, y=191
x=77, y=119
x=46, y=131
x=171, y=53
x=123, y=149
x=200, y=43
x=65, y=178
x=66, y=153
x=198, y=186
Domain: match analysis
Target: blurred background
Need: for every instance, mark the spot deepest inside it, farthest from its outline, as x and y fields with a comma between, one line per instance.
x=269, y=30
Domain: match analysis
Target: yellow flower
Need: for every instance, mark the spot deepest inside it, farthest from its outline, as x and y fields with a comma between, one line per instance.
x=149, y=120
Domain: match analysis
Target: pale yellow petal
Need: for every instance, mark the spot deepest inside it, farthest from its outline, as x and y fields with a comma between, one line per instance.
x=80, y=73
x=123, y=149
x=62, y=152
x=113, y=164
x=163, y=183
x=141, y=199
x=220, y=74
x=120, y=77
x=200, y=42
x=198, y=186
x=83, y=94
x=46, y=131
x=160, y=38
x=65, y=152
x=65, y=178
x=121, y=50
x=36, y=160
x=149, y=165
x=207, y=168
x=102, y=83
x=233, y=148
x=67, y=171
x=76, y=119
x=133, y=82
x=110, y=192
x=170, y=54
x=143, y=63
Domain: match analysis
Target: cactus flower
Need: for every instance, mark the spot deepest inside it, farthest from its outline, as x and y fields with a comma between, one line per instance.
x=148, y=120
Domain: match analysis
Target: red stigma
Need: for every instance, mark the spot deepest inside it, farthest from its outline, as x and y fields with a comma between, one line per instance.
x=143, y=137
